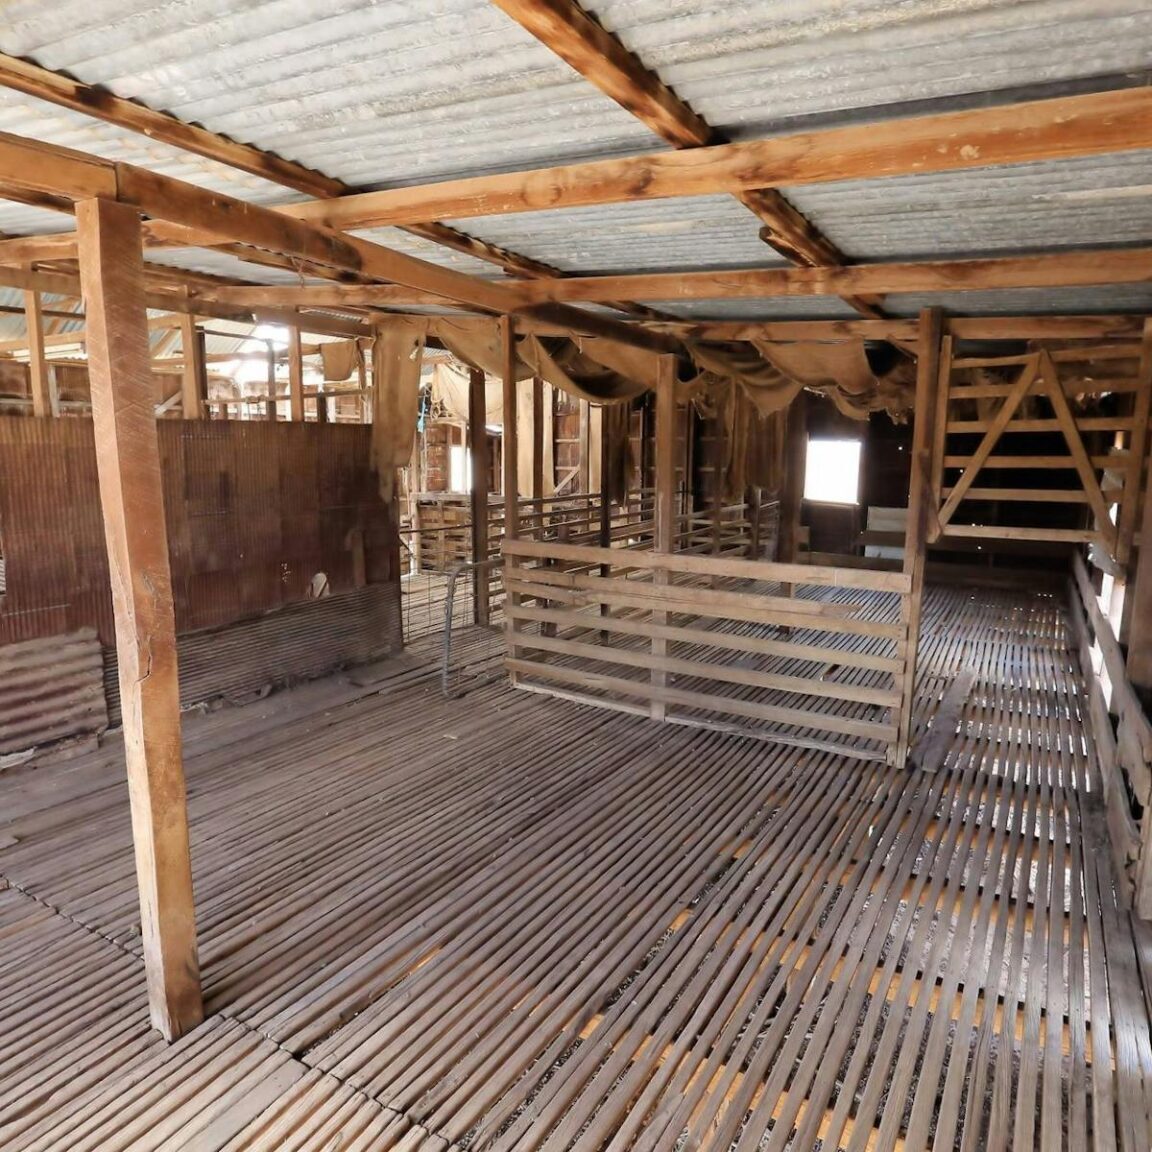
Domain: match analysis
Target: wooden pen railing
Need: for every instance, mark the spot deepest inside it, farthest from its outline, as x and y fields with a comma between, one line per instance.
x=802, y=654
x=1122, y=736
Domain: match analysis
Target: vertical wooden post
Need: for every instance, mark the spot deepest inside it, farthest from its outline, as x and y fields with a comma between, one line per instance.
x=45, y=402
x=321, y=406
x=538, y=492
x=584, y=459
x=478, y=455
x=1138, y=450
x=792, y=496
x=295, y=377
x=919, y=510
x=193, y=375
x=1138, y=590
x=362, y=376
x=270, y=403
x=128, y=465
x=665, y=502
x=510, y=463
x=752, y=502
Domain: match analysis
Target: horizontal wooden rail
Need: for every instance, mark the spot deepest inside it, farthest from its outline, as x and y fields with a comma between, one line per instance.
x=1122, y=736
x=713, y=639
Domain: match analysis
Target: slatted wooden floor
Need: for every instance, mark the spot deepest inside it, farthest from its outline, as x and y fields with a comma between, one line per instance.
x=509, y=922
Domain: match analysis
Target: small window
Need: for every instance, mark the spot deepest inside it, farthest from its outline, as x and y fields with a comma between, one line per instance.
x=832, y=471
x=459, y=468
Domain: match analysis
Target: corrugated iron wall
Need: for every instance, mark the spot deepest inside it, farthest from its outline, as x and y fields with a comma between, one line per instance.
x=295, y=643
x=255, y=511
x=259, y=515
x=50, y=689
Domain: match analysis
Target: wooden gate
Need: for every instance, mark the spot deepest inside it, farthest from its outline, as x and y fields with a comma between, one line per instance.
x=1078, y=416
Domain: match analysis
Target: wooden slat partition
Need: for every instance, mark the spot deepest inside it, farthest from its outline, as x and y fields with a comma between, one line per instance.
x=1123, y=739
x=715, y=641
x=1019, y=407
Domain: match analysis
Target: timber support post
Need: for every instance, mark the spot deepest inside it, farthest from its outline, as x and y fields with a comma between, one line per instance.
x=665, y=506
x=193, y=374
x=510, y=461
x=132, y=500
x=478, y=458
x=919, y=511
x=45, y=401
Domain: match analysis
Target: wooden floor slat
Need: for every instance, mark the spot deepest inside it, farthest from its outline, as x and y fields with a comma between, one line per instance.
x=507, y=923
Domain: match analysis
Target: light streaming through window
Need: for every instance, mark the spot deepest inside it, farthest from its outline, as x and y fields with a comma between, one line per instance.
x=832, y=471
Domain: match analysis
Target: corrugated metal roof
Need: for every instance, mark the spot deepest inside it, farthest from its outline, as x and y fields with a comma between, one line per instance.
x=1121, y=298
x=397, y=92
x=753, y=66
x=1090, y=202
x=769, y=308
x=387, y=92
x=692, y=232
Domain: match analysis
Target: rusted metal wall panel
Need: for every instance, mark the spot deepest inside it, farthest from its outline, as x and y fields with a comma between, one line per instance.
x=255, y=512
x=51, y=689
x=296, y=643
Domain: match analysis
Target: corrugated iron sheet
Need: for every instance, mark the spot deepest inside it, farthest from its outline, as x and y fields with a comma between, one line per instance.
x=371, y=93
x=405, y=91
x=753, y=67
x=51, y=689
x=693, y=232
x=1120, y=299
x=298, y=642
x=768, y=308
x=1090, y=202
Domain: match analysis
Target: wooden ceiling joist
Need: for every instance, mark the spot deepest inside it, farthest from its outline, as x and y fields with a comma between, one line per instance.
x=1094, y=124
x=1057, y=129
x=90, y=100
x=578, y=39
x=1049, y=270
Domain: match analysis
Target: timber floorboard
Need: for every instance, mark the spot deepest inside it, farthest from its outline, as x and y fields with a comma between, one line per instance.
x=507, y=922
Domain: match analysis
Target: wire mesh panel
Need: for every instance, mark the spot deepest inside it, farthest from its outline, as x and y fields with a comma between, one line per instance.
x=473, y=652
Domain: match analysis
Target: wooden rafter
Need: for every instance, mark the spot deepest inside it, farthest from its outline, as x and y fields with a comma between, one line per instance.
x=1049, y=270
x=1060, y=269
x=78, y=176
x=1058, y=129
x=93, y=100
x=1064, y=128
x=578, y=39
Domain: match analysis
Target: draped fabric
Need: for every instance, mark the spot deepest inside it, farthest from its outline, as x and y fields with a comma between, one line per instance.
x=773, y=374
x=748, y=449
x=600, y=371
x=745, y=386
x=340, y=359
x=857, y=379
x=397, y=355
x=450, y=386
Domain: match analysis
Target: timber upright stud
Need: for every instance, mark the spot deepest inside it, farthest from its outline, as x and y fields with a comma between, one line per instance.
x=919, y=512
x=132, y=501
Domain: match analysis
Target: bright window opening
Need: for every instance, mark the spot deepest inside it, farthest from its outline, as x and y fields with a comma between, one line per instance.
x=459, y=468
x=832, y=471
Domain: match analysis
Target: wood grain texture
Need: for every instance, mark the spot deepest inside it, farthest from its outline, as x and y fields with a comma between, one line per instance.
x=1087, y=125
x=584, y=936
x=132, y=501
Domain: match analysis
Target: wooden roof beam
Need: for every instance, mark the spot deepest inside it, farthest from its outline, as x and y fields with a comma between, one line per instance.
x=1094, y=124
x=1048, y=270
x=101, y=104
x=583, y=43
x=195, y=212
x=1064, y=128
